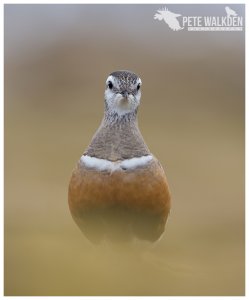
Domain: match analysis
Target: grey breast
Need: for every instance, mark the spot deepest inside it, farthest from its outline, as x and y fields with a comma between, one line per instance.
x=117, y=142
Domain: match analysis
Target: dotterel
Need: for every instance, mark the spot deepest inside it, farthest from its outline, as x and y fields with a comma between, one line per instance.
x=118, y=189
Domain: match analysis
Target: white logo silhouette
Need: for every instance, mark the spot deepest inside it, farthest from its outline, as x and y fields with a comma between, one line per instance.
x=230, y=12
x=229, y=22
x=169, y=18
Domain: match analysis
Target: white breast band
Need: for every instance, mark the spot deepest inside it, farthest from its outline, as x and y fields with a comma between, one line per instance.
x=105, y=165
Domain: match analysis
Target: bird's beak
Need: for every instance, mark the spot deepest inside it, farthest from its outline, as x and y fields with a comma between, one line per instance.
x=125, y=94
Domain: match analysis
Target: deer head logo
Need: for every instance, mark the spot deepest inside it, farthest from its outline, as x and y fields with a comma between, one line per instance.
x=169, y=18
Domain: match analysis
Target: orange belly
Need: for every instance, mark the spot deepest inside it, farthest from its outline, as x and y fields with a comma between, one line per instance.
x=121, y=204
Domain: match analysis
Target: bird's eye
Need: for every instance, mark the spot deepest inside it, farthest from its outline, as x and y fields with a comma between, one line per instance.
x=110, y=85
x=138, y=86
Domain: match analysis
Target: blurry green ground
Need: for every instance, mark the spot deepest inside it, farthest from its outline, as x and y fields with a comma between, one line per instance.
x=191, y=116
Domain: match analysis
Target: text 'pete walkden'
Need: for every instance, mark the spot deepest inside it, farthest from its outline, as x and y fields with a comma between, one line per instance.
x=199, y=23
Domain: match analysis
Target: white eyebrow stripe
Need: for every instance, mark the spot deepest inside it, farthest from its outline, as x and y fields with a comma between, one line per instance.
x=110, y=78
x=107, y=165
x=139, y=81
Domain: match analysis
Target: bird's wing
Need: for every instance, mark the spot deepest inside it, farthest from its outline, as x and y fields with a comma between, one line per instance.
x=173, y=24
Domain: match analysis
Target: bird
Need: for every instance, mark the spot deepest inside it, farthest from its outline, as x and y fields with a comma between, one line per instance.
x=169, y=18
x=230, y=12
x=118, y=190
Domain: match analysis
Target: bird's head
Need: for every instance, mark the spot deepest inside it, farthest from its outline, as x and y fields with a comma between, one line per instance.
x=122, y=93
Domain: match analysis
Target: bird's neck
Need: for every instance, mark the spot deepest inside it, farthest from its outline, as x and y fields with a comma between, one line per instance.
x=115, y=119
x=118, y=138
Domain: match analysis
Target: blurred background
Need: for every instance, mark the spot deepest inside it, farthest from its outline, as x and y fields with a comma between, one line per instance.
x=57, y=58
